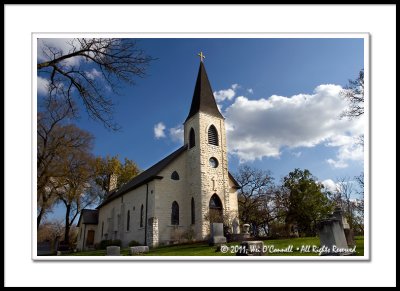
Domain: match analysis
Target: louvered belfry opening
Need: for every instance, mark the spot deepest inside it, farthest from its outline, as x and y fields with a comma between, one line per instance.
x=213, y=135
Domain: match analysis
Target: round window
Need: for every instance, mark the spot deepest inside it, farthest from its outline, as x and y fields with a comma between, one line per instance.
x=213, y=162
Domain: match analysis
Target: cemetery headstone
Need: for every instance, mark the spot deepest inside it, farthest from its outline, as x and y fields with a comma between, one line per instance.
x=139, y=250
x=217, y=234
x=113, y=251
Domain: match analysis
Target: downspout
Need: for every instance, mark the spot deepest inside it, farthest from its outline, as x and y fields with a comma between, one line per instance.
x=84, y=234
x=145, y=222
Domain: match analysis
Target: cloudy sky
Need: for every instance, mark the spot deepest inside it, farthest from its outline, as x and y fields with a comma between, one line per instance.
x=280, y=98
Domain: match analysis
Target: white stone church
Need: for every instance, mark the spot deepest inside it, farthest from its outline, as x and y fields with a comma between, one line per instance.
x=176, y=198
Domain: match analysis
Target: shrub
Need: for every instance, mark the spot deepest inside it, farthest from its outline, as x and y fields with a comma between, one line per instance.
x=116, y=242
x=134, y=243
x=108, y=242
x=189, y=234
x=63, y=246
x=105, y=243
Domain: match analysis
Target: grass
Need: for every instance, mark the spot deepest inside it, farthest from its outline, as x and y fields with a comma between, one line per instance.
x=202, y=249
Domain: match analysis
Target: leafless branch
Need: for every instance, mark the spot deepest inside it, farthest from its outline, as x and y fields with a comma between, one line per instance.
x=113, y=61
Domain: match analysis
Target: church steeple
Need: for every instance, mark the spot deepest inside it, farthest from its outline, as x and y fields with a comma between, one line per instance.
x=203, y=98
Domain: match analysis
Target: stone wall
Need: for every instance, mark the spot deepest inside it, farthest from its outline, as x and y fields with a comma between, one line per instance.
x=115, y=228
x=167, y=191
x=212, y=180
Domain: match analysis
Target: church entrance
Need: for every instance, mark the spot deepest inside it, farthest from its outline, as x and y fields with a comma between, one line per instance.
x=215, y=206
x=90, y=238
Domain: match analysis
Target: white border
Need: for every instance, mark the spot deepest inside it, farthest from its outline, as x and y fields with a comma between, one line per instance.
x=21, y=20
x=364, y=36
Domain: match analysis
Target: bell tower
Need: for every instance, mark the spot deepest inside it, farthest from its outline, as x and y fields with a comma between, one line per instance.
x=207, y=164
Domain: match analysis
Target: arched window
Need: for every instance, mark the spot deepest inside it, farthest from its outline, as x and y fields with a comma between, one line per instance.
x=175, y=175
x=128, y=220
x=192, y=138
x=175, y=213
x=215, y=202
x=192, y=208
x=213, y=135
x=141, y=216
x=215, y=205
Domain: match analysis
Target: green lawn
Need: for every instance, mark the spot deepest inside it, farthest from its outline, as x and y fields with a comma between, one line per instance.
x=202, y=249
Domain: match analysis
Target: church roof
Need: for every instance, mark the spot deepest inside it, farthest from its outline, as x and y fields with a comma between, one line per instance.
x=203, y=98
x=144, y=177
x=237, y=186
x=89, y=216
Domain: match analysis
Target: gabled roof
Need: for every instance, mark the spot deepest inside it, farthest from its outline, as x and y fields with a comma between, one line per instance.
x=203, y=97
x=144, y=177
x=89, y=216
x=237, y=186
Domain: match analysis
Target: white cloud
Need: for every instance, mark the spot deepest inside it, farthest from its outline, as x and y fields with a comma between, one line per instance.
x=176, y=133
x=159, y=129
x=260, y=128
x=337, y=164
x=61, y=44
x=42, y=85
x=235, y=86
x=222, y=95
x=250, y=91
x=93, y=74
x=349, y=150
x=330, y=185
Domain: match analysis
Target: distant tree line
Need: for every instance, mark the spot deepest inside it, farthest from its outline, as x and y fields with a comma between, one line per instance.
x=67, y=171
x=294, y=206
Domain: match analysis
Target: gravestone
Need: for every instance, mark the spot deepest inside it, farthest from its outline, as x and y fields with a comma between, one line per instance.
x=246, y=231
x=139, y=250
x=348, y=232
x=251, y=248
x=217, y=234
x=235, y=226
x=113, y=251
x=332, y=235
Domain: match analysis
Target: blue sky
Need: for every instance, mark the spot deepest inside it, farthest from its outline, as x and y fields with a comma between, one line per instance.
x=280, y=98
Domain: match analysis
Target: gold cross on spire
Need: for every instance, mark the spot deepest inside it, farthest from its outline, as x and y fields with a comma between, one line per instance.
x=201, y=56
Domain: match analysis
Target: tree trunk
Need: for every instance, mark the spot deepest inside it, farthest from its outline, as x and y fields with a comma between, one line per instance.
x=40, y=216
x=266, y=229
x=350, y=214
x=67, y=225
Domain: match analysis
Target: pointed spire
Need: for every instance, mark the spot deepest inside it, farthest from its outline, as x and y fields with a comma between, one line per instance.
x=203, y=98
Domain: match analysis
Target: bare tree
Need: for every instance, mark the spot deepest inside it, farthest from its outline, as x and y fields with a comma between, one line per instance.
x=345, y=191
x=72, y=187
x=354, y=94
x=274, y=206
x=50, y=230
x=360, y=181
x=95, y=61
x=359, y=205
x=52, y=139
x=255, y=185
